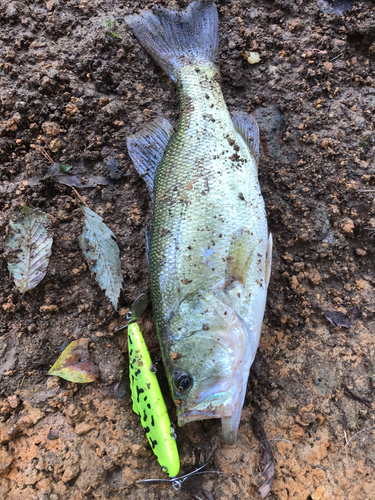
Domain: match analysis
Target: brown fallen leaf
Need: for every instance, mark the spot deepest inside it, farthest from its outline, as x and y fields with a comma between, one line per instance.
x=337, y=318
x=79, y=182
x=266, y=460
x=74, y=364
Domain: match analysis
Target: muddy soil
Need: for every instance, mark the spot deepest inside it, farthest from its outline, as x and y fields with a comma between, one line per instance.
x=72, y=89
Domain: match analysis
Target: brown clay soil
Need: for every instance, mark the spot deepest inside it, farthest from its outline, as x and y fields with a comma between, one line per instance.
x=67, y=85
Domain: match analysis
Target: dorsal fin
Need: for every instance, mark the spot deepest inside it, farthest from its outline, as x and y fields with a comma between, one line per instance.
x=147, y=147
x=247, y=127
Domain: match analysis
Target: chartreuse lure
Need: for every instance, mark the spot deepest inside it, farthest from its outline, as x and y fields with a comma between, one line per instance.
x=147, y=398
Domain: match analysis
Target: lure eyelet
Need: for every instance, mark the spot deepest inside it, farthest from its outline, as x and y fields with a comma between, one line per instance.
x=182, y=381
x=173, y=432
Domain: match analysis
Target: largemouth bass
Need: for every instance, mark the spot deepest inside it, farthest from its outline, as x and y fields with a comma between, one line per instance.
x=209, y=253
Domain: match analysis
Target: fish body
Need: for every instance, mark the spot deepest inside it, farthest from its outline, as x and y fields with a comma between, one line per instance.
x=149, y=404
x=209, y=253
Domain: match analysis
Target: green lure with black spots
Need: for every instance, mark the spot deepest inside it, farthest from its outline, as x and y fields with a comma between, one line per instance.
x=149, y=404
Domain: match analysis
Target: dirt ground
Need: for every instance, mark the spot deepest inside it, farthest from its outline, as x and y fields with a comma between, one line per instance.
x=69, y=86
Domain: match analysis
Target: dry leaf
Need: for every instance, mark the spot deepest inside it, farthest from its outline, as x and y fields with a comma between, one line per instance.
x=99, y=247
x=337, y=318
x=29, y=248
x=74, y=364
x=80, y=182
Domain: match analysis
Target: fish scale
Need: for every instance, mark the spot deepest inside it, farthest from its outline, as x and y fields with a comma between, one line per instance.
x=189, y=215
x=208, y=249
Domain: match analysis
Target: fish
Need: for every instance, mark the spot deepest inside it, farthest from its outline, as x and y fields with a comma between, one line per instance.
x=208, y=249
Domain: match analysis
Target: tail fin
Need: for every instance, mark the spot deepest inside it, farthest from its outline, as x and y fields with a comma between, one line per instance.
x=176, y=39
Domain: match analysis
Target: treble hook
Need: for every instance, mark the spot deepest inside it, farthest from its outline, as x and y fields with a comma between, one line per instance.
x=177, y=482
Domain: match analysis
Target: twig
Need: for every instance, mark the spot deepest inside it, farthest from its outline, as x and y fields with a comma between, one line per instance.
x=266, y=460
x=336, y=57
x=356, y=434
x=42, y=151
x=372, y=387
x=80, y=197
x=286, y=441
x=346, y=437
x=208, y=494
x=354, y=396
x=345, y=422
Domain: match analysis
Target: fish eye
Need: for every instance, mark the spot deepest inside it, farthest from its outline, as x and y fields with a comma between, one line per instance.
x=182, y=381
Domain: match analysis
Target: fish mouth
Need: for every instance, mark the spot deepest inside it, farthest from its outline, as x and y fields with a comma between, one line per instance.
x=224, y=405
x=214, y=406
x=215, y=397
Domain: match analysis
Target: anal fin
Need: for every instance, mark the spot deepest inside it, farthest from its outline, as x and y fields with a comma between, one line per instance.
x=147, y=147
x=246, y=126
x=268, y=260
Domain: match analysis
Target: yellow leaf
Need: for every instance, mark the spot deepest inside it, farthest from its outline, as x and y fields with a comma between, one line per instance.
x=74, y=364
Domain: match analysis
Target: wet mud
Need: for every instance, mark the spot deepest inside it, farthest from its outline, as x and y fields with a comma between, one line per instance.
x=74, y=83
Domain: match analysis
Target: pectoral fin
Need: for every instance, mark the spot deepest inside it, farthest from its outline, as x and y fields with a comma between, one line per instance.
x=147, y=147
x=239, y=258
x=247, y=127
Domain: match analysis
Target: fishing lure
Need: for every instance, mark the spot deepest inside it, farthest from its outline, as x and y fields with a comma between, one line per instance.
x=147, y=398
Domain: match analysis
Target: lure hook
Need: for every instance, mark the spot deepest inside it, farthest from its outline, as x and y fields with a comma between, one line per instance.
x=176, y=485
x=177, y=482
x=173, y=432
x=152, y=368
